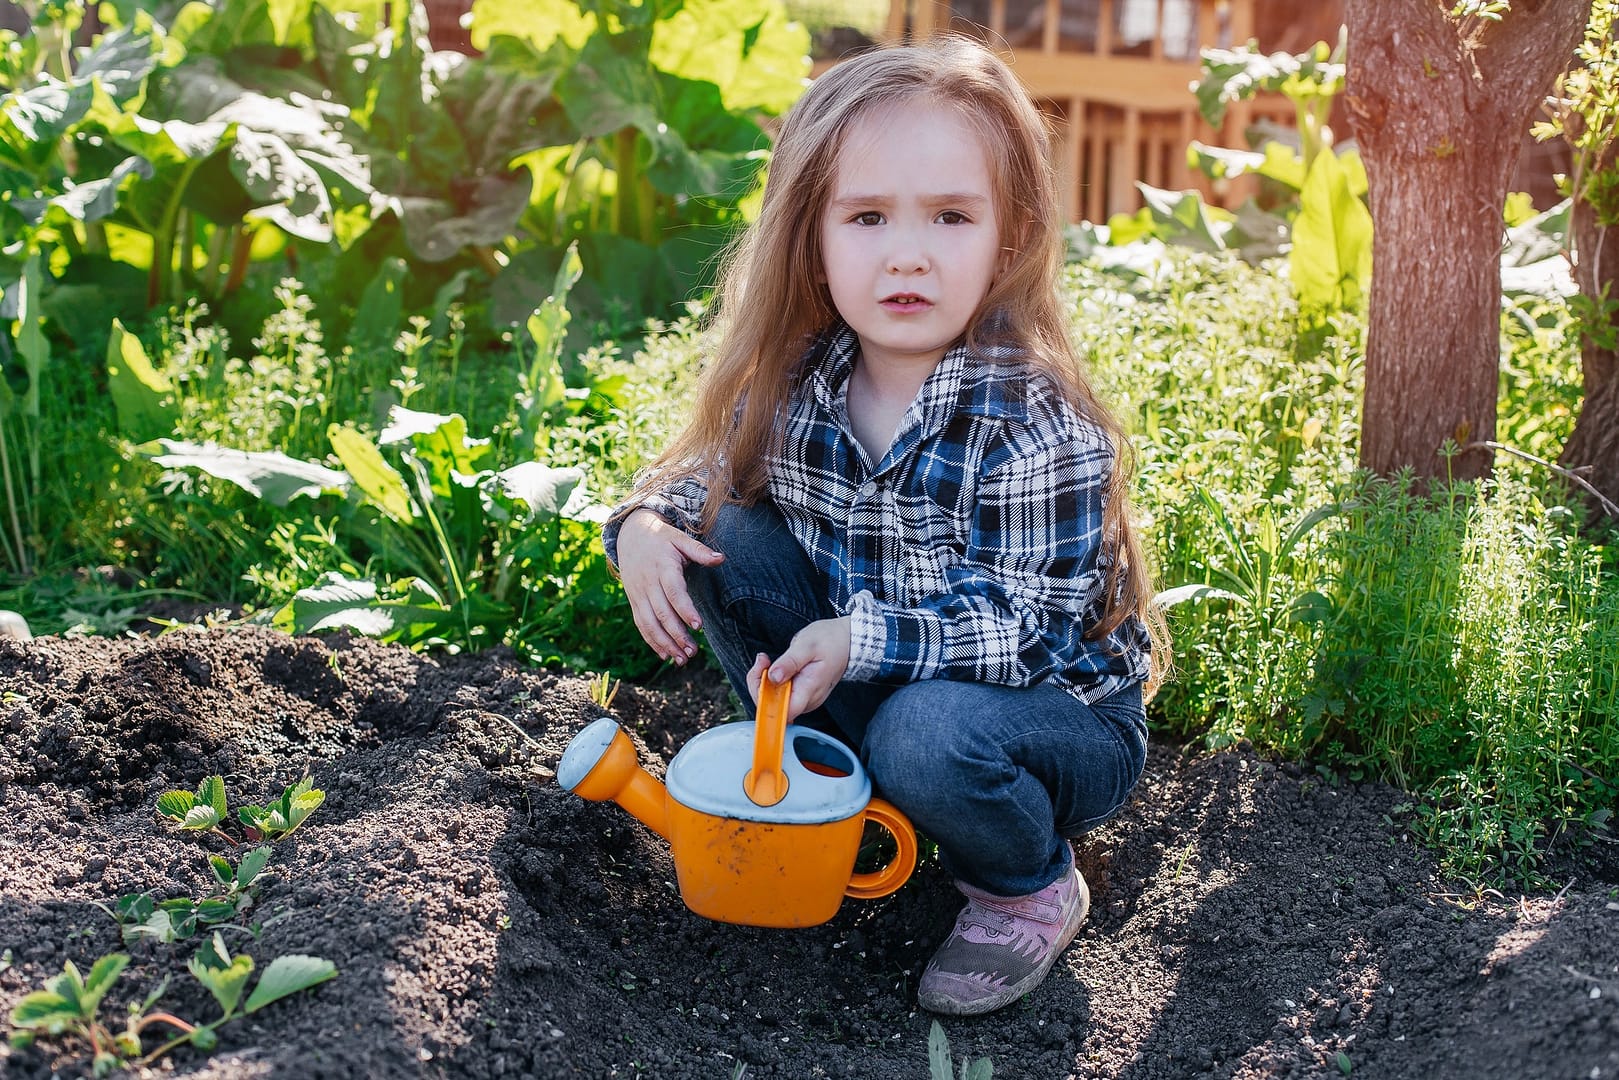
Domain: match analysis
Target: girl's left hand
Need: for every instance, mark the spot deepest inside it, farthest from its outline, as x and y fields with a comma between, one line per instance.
x=815, y=661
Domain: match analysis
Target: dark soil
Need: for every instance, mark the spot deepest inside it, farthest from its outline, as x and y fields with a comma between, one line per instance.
x=1250, y=919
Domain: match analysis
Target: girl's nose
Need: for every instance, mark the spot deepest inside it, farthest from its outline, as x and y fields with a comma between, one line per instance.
x=907, y=259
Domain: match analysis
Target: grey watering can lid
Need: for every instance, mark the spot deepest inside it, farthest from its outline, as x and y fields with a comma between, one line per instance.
x=707, y=776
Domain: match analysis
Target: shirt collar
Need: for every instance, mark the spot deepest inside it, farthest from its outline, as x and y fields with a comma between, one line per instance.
x=987, y=382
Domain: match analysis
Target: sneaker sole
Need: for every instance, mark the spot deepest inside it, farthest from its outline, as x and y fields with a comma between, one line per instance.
x=948, y=1006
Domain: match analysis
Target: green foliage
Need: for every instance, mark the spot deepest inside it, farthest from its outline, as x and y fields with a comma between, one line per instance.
x=205, y=811
x=1459, y=642
x=139, y=915
x=1584, y=112
x=940, y=1061
x=1320, y=218
x=68, y=1005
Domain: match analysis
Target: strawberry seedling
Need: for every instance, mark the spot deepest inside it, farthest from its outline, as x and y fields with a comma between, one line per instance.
x=69, y=1004
x=278, y=820
x=205, y=810
x=140, y=916
x=199, y=812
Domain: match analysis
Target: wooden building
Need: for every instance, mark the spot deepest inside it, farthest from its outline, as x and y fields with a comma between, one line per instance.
x=1115, y=77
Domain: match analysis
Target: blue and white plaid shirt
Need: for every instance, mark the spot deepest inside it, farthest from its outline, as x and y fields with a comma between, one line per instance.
x=971, y=551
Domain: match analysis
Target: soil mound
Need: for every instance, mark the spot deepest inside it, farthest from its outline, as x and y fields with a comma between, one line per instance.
x=1250, y=919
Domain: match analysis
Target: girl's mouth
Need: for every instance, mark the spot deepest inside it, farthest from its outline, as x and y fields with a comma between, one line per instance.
x=905, y=302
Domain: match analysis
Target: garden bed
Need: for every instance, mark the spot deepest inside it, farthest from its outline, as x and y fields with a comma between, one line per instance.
x=1250, y=919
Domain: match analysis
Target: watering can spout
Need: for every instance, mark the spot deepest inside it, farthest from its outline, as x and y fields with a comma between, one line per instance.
x=600, y=764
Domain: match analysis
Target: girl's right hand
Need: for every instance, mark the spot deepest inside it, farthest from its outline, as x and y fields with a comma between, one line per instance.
x=652, y=558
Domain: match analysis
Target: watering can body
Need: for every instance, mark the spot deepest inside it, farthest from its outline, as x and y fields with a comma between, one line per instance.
x=764, y=819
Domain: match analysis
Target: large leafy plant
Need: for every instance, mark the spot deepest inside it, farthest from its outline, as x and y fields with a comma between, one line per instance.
x=655, y=143
x=1316, y=190
x=475, y=541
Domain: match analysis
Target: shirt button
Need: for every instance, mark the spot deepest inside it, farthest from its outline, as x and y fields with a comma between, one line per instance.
x=869, y=488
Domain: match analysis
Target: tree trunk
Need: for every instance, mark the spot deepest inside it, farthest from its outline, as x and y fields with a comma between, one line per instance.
x=1440, y=113
x=1594, y=446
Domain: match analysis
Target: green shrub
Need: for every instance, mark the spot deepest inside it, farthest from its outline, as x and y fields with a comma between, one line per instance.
x=1462, y=642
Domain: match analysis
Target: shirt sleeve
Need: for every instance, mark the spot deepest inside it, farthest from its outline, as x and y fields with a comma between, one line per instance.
x=679, y=503
x=1012, y=609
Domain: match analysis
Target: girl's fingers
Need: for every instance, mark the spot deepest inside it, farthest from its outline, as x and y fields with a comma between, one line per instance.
x=756, y=674
x=694, y=549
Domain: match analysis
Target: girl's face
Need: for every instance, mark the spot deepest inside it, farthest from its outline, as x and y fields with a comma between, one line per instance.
x=909, y=238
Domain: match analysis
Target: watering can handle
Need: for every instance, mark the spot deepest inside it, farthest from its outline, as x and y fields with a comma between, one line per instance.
x=766, y=784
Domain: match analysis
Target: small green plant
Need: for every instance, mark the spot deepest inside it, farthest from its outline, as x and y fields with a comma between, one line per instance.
x=140, y=916
x=603, y=690
x=204, y=810
x=941, y=1065
x=69, y=1004
x=282, y=817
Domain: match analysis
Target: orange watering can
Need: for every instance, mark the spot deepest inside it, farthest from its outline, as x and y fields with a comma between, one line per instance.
x=764, y=819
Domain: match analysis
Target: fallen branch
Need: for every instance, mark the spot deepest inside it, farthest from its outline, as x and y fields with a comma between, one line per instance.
x=1607, y=505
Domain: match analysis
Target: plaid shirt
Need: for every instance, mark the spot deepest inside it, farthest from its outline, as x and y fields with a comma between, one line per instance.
x=971, y=551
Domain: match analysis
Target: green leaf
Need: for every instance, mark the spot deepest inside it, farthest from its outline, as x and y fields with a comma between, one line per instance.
x=268, y=474
x=200, y=818
x=133, y=907
x=120, y=61
x=1236, y=74
x=379, y=482
x=103, y=973
x=212, y=792
x=45, y=1011
x=980, y=1069
x=252, y=865
x=288, y=975
x=750, y=49
x=1192, y=594
x=1182, y=217
x=176, y=804
x=1309, y=607
x=224, y=976
x=541, y=491
x=1331, y=259
x=142, y=396
x=224, y=873
x=376, y=323
x=939, y=1059
x=539, y=22
x=215, y=911
x=437, y=229
x=337, y=602
x=31, y=343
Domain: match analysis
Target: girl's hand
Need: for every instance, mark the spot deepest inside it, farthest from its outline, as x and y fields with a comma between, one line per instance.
x=652, y=558
x=815, y=661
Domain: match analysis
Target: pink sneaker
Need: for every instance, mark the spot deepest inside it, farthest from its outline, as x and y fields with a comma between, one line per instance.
x=1002, y=946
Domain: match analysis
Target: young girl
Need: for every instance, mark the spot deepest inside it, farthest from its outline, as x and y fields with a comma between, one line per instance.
x=899, y=492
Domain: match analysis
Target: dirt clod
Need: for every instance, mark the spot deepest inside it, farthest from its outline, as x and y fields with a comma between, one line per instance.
x=1248, y=920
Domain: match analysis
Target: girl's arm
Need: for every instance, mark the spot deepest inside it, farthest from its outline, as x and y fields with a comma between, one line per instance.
x=1018, y=600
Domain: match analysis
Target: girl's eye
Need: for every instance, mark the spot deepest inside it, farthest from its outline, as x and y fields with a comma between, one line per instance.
x=870, y=217
x=953, y=217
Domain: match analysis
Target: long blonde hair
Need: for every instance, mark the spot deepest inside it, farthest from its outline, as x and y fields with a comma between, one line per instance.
x=773, y=301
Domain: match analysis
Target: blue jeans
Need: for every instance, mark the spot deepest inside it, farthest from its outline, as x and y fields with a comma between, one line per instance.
x=997, y=776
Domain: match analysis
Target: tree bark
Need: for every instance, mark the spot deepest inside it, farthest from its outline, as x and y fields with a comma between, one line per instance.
x=1593, y=448
x=1440, y=119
